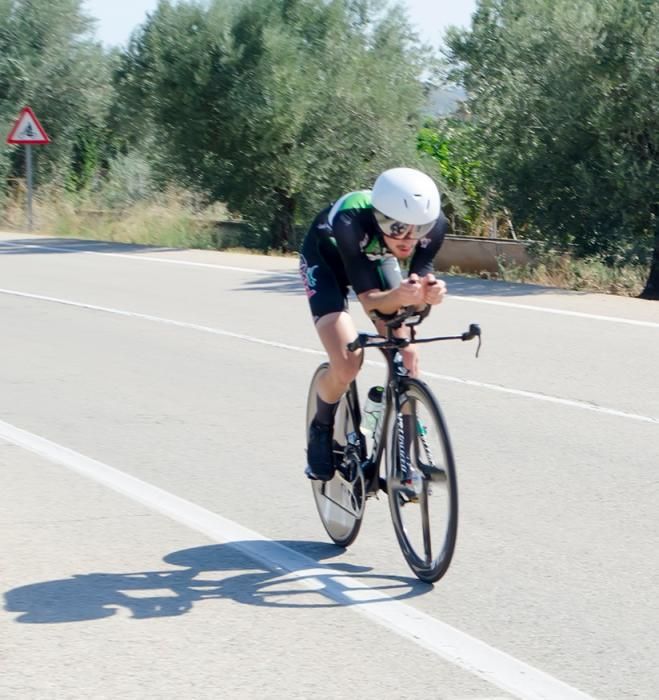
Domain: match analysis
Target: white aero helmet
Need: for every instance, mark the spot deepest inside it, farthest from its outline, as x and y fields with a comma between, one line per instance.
x=405, y=198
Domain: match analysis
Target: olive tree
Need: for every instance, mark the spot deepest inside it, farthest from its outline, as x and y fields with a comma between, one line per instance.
x=275, y=106
x=566, y=99
x=50, y=60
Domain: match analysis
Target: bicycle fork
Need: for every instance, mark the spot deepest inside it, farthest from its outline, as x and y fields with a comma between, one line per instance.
x=412, y=441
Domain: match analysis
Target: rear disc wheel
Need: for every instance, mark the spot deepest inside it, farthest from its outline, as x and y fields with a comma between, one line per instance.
x=341, y=500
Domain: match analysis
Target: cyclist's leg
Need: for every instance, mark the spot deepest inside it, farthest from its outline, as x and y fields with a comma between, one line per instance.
x=335, y=331
x=327, y=296
x=328, y=301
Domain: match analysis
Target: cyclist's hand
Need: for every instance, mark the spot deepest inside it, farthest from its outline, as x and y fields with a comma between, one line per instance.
x=410, y=291
x=434, y=290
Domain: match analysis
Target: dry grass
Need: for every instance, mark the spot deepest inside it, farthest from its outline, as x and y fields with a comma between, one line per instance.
x=172, y=219
x=589, y=274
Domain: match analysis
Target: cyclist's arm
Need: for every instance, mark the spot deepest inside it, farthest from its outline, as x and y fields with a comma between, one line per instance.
x=423, y=258
x=422, y=263
x=387, y=302
x=362, y=274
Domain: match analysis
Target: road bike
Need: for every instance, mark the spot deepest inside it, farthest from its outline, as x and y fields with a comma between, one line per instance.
x=419, y=475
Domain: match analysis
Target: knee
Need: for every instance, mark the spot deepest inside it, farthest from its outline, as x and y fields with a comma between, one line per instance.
x=346, y=369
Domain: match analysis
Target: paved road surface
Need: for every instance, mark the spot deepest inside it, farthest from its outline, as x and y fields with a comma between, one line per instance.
x=158, y=539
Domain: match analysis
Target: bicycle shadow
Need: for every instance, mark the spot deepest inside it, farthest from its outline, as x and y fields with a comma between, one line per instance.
x=205, y=573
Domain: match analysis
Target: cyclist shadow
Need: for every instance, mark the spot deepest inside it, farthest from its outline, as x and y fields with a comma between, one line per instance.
x=281, y=283
x=205, y=573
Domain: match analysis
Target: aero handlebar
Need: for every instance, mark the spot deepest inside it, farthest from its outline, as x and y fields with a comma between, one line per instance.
x=409, y=316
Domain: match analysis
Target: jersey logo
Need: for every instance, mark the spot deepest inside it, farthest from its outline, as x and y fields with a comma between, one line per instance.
x=373, y=250
x=308, y=275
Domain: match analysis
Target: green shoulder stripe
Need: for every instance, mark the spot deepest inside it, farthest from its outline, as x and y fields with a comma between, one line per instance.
x=356, y=200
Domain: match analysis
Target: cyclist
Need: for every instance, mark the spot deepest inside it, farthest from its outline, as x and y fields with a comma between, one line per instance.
x=357, y=242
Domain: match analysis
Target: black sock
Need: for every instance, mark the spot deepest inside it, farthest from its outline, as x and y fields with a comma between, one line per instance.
x=325, y=411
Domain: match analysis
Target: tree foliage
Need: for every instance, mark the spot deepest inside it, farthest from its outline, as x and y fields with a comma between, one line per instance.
x=454, y=146
x=275, y=105
x=49, y=60
x=566, y=99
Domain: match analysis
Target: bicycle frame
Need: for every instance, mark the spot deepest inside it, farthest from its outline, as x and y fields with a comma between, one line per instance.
x=389, y=346
x=392, y=403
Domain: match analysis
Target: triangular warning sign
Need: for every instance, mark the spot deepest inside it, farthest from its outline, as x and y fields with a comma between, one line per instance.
x=27, y=130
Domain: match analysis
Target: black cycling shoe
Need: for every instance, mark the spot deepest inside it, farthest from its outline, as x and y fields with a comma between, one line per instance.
x=320, y=455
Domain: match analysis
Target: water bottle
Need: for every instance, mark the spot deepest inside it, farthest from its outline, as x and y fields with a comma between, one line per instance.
x=372, y=410
x=390, y=271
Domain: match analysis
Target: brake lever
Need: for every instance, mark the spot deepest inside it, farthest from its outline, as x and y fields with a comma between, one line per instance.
x=473, y=332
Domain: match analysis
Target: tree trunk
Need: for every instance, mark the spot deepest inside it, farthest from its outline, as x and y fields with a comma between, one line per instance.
x=282, y=227
x=651, y=290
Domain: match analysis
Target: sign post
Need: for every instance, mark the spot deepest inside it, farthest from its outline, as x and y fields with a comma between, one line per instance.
x=28, y=173
x=28, y=132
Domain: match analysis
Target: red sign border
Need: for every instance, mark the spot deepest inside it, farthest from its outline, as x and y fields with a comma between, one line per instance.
x=44, y=136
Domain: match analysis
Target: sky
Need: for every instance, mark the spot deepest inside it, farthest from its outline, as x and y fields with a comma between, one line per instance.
x=116, y=19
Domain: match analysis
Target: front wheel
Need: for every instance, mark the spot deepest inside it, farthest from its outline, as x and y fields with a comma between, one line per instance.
x=421, y=482
x=341, y=500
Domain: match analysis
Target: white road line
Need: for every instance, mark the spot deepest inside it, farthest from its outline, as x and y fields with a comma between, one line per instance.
x=544, y=397
x=476, y=657
x=294, y=275
x=560, y=312
x=148, y=258
x=296, y=348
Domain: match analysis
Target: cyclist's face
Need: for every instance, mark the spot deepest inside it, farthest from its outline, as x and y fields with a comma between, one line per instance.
x=401, y=247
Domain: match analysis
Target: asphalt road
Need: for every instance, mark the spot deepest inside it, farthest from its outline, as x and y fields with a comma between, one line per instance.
x=158, y=538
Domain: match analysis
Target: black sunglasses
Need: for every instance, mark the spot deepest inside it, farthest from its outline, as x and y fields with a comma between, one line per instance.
x=399, y=229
